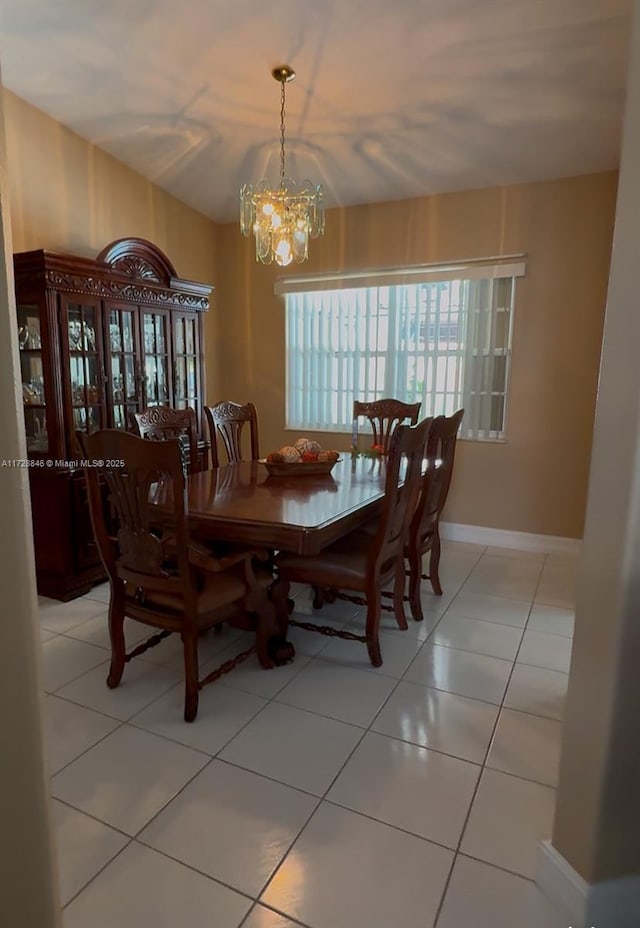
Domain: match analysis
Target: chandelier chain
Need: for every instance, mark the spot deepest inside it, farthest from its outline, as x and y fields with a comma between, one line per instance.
x=282, y=93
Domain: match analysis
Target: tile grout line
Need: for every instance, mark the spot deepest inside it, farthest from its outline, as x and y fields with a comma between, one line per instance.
x=447, y=882
x=482, y=767
x=86, y=751
x=134, y=838
x=323, y=798
x=339, y=772
x=319, y=799
x=212, y=758
x=126, y=721
x=137, y=839
x=94, y=818
x=73, y=679
x=256, y=908
x=329, y=787
x=457, y=851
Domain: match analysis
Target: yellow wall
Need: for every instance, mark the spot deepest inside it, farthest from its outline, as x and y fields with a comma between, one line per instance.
x=537, y=480
x=67, y=195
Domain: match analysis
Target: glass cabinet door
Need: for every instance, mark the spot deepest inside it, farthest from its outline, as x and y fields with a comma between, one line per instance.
x=186, y=350
x=124, y=382
x=155, y=337
x=81, y=329
x=32, y=371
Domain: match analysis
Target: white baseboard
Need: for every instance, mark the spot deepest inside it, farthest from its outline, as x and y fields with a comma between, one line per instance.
x=501, y=538
x=610, y=904
x=566, y=889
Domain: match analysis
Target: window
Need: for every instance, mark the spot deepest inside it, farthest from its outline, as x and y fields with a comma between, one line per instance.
x=444, y=339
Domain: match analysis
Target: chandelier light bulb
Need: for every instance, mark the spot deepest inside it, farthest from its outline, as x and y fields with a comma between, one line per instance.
x=284, y=217
x=283, y=254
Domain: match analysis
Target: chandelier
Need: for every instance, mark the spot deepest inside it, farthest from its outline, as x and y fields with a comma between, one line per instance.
x=282, y=218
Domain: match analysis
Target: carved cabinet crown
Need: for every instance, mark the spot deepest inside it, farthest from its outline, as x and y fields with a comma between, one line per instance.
x=130, y=269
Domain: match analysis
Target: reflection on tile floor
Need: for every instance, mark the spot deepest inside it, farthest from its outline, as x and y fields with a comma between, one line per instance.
x=324, y=794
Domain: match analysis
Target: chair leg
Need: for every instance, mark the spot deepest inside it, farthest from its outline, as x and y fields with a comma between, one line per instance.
x=373, y=626
x=116, y=634
x=398, y=595
x=434, y=562
x=322, y=595
x=415, y=578
x=190, y=646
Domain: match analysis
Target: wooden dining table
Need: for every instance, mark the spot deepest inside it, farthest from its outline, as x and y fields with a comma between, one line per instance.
x=302, y=514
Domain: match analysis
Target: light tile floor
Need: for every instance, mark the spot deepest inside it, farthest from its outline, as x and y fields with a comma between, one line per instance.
x=325, y=794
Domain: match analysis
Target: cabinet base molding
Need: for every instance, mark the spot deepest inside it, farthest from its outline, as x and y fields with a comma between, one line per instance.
x=66, y=588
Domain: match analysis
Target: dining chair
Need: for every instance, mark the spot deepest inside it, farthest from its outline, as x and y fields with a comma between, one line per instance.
x=228, y=420
x=384, y=415
x=424, y=529
x=157, y=573
x=364, y=564
x=163, y=422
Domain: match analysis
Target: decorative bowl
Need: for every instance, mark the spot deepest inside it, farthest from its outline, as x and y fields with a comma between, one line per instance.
x=299, y=468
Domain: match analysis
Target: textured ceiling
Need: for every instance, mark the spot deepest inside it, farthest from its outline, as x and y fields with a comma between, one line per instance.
x=392, y=99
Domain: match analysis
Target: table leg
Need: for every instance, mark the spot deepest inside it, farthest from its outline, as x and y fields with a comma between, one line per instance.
x=280, y=599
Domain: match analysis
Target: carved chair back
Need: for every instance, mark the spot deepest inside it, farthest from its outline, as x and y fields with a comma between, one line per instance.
x=384, y=415
x=365, y=561
x=227, y=420
x=139, y=509
x=135, y=549
x=441, y=449
x=406, y=450
x=424, y=530
x=163, y=422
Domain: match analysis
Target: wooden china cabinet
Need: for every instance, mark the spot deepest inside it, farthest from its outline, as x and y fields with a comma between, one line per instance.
x=99, y=340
